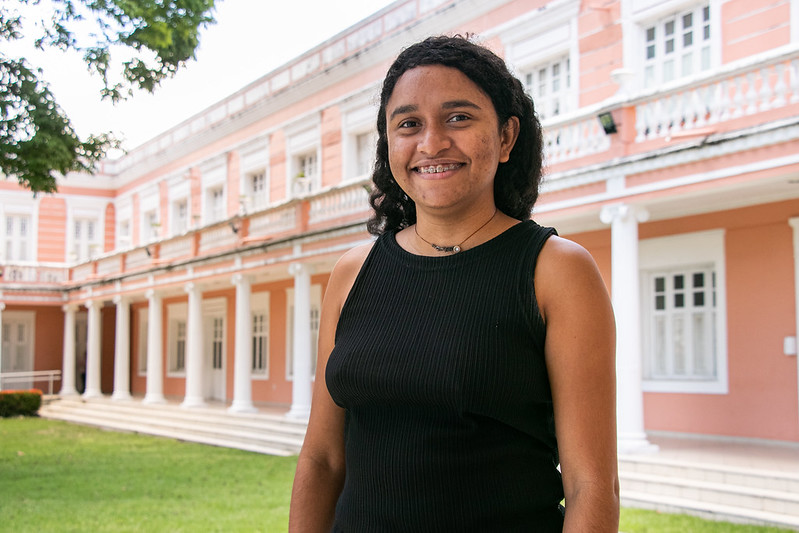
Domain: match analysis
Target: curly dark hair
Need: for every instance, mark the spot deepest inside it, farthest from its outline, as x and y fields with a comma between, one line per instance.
x=517, y=180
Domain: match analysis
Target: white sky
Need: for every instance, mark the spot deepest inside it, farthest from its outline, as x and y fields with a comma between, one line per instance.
x=250, y=38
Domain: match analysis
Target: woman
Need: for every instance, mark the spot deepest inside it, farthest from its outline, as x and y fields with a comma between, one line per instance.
x=468, y=352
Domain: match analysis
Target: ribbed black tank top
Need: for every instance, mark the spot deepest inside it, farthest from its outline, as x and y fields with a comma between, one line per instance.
x=439, y=363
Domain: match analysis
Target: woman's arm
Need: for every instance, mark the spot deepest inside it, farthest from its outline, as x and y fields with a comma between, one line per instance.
x=580, y=356
x=320, y=466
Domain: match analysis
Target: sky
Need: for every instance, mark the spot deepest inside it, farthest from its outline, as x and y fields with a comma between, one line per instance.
x=250, y=39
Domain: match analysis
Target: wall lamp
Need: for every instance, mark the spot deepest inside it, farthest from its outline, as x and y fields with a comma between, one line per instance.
x=608, y=124
x=234, y=226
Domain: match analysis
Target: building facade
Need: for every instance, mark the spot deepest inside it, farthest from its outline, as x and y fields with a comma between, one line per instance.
x=193, y=268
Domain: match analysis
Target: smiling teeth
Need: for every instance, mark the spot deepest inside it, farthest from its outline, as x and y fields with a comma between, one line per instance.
x=438, y=168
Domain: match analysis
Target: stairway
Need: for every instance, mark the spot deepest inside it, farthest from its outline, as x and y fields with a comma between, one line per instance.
x=711, y=490
x=272, y=434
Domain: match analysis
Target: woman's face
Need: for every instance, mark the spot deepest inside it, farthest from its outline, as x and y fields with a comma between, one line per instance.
x=444, y=139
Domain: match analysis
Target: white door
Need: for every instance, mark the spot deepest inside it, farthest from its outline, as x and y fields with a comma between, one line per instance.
x=215, y=357
x=17, y=349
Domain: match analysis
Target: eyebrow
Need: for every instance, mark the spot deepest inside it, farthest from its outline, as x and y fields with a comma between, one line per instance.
x=452, y=104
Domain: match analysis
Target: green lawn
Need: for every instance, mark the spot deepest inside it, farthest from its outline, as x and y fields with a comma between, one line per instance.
x=58, y=477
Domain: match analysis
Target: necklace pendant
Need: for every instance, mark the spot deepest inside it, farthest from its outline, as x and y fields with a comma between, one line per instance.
x=448, y=249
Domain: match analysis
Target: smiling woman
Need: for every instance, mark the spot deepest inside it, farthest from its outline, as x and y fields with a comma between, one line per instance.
x=469, y=352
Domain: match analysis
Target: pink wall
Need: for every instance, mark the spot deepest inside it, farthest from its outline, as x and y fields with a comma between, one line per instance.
x=52, y=241
x=760, y=313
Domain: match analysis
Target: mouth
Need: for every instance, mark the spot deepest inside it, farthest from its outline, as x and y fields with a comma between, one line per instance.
x=437, y=169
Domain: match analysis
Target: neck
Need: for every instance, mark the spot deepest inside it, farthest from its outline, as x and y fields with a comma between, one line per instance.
x=450, y=238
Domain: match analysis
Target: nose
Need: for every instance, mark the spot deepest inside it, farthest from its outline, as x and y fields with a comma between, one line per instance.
x=433, y=140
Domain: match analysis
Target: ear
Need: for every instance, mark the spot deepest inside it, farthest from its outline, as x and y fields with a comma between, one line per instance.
x=508, y=136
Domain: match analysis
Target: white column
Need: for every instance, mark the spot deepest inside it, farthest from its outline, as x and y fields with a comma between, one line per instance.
x=68, y=362
x=93, y=354
x=155, y=349
x=2, y=307
x=625, y=287
x=301, y=388
x=242, y=366
x=794, y=222
x=122, y=350
x=194, y=349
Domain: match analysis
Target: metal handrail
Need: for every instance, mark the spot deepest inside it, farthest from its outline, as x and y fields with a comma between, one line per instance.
x=33, y=376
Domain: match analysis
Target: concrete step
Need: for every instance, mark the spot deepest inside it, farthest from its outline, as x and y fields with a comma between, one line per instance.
x=256, y=432
x=713, y=491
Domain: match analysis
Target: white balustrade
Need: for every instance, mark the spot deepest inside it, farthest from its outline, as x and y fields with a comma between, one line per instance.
x=339, y=203
x=137, y=259
x=33, y=274
x=718, y=98
x=273, y=221
x=108, y=265
x=217, y=237
x=82, y=272
x=577, y=138
x=176, y=248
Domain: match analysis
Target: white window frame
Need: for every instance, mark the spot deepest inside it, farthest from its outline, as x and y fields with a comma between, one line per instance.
x=551, y=91
x=259, y=304
x=303, y=140
x=16, y=242
x=213, y=174
x=177, y=314
x=650, y=13
x=359, y=116
x=216, y=203
x=254, y=161
x=316, y=308
x=10, y=327
x=180, y=215
x=150, y=226
x=685, y=252
x=540, y=38
x=86, y=247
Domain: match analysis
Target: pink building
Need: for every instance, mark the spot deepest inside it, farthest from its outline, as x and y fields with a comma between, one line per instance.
x=193, y=268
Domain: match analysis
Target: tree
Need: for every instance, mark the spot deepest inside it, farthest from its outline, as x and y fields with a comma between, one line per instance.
x=130, y=44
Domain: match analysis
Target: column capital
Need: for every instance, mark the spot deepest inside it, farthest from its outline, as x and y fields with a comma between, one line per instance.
x=611, y=213
x=794, y=222
x=240, y=278
x=151, y=294
x=191, y=287
x=2, y=306
x=296, y=269
x=69, y=308
x=119, y=299
x=91, y=303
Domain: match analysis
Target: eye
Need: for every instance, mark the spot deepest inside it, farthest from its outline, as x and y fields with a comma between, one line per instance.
x=459, y=117
x=408, y=123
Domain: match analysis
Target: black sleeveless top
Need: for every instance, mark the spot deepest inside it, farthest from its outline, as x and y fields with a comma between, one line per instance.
x=439, y=363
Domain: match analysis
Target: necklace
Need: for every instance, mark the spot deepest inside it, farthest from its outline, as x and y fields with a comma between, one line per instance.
x=456, y=248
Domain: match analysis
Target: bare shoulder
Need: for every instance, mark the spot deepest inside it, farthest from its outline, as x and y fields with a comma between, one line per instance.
x=566, y=272
x=344, y=273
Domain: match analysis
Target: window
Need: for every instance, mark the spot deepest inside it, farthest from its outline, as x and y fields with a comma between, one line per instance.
x=180, y=216
x=176, y=338
x=365, y=144
x=123, y=234
x=217, y=342
x=17, y=343
x=17, y=238
x=216, y=204
x=683, y=313
x=306, y=173
x=150, y=226
x=260, y=343
x=316, y=306
x=257, y=186
x=85, y=239
x=677, y=46
x=549, y=84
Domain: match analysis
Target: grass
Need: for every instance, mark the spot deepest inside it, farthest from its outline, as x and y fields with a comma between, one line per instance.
x=59, y=477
